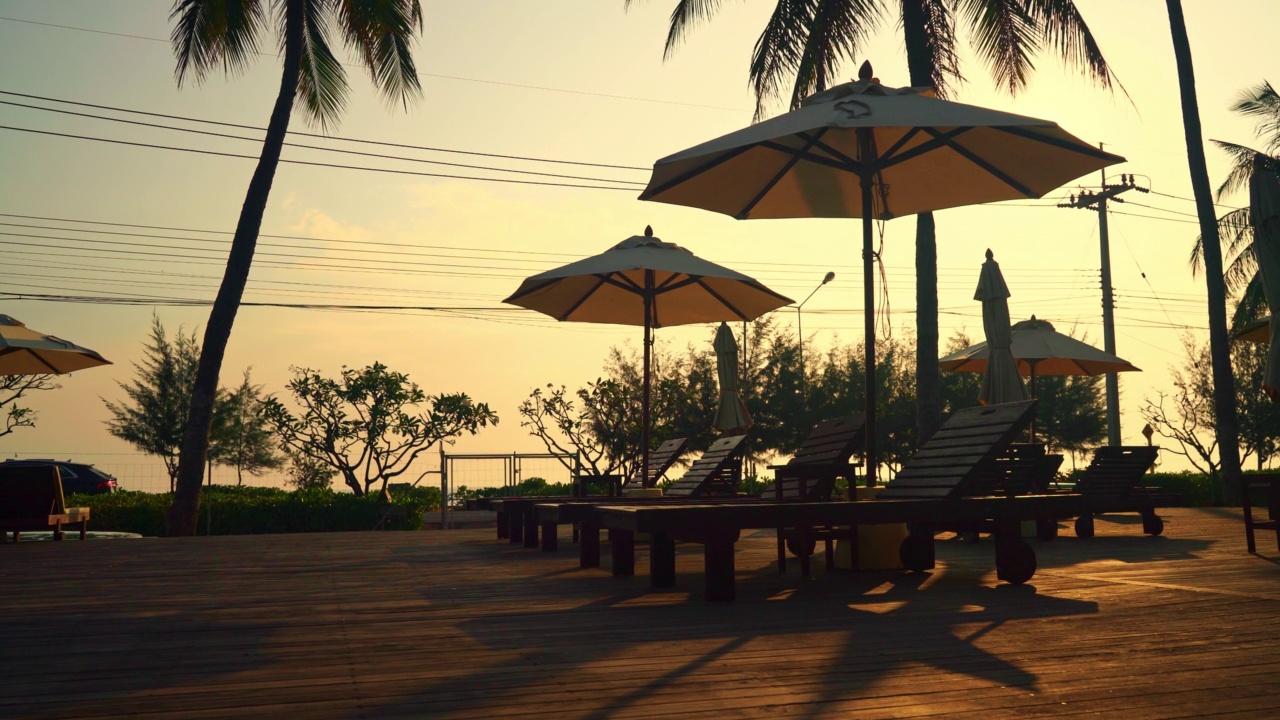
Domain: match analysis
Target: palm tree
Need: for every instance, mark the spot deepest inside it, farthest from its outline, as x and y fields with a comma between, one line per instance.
x=1224, y=390
x=1241, y=272
x=807, y=41
x=212, y=34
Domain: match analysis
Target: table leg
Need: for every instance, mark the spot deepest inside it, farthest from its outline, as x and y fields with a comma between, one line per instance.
x=662, y=560
x=623, y=545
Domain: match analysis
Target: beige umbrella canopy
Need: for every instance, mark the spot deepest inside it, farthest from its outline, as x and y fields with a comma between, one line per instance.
x=1264, y=213
x=865, y=150
x=645, y=281
x=1258, y=331
x=1041, y=350
x=24, y=351
x=732, y=413
x=1000, y=382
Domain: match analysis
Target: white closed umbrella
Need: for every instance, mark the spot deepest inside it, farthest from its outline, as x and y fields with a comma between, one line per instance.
x=1264, y=213
x=732, y=413
x=1001, y=382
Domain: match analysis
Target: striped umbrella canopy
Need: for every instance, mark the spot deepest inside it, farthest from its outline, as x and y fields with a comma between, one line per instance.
x=24, y=351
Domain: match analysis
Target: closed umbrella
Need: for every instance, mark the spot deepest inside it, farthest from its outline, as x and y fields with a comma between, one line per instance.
x=732, y=413
x=1000, y=382
x=645, y=281
x=1264, y=212
x=24, y=351
x=865, y=150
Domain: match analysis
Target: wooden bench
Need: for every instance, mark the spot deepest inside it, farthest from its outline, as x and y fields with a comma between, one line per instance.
x=31, y=499
x=1271, y=483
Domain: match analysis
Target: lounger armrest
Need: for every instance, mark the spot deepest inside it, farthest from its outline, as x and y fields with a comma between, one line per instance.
x=75, y=515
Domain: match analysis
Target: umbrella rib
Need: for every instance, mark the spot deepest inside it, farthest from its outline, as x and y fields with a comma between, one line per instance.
x=585, y=296
x=1057, y=142
x=732, y=308
x=676, y=281
x=519, y=294
x=973, y=158
x=844, y=163
x=649, y=193
x=768, y=186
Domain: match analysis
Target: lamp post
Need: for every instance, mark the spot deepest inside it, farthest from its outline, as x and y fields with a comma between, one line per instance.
x=800, y=334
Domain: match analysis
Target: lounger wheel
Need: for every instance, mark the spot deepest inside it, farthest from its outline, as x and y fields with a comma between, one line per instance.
x=1084, y=526
x=1152, y=524
x=1046, y=529
x=793, y=546
x=915, y=551
x=1015, y=562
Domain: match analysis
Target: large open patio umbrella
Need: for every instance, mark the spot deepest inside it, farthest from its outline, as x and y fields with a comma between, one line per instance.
x=645, y=281
x=732, y=413
x=24, y=351
x=865, y=150
x=1040, y=350
x=1264, y=213
x=1000, y=381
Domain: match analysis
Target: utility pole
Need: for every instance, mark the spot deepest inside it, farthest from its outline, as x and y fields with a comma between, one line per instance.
x=1087, y=201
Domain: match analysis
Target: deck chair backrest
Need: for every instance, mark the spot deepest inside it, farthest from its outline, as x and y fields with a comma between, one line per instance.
x=1011, y=473
x=1117, y=470
x=965, y=446
x=30, y=492
x=811, y=473
x=715, y=473
x=660, y=461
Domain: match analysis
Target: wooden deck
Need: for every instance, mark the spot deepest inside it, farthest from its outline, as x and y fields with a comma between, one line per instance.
x=461, y=625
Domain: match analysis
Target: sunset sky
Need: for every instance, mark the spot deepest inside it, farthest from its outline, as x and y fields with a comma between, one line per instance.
x=566, y=80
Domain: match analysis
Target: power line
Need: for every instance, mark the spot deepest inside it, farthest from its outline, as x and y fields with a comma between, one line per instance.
x=380, y=156
x=310, y=162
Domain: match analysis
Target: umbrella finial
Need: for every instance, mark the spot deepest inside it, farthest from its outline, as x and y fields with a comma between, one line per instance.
x=648, y=231
x=865, y=72
x=990, y=255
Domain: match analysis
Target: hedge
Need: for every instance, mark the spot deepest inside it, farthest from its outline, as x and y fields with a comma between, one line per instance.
x=234, y=510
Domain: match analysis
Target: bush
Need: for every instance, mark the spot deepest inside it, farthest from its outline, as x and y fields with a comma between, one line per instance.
x=253, y=510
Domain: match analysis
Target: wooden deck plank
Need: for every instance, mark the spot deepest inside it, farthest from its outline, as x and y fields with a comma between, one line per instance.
x=458, y=624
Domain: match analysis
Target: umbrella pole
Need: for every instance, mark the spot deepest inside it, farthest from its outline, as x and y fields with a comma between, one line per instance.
x=648, y=341
x=1032, y=363
x=866, y=154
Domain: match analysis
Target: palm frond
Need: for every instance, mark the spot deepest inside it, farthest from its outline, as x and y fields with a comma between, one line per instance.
x=207, y=33
x=1065, y=30
x=928, y=28
x=777, y=51
x=835, y=33
x=382, y=32
x=1262, y=102
x=322, y=82
x=686, y=14
x=1251, y=306
x=1005, y=36
x=1243, y=160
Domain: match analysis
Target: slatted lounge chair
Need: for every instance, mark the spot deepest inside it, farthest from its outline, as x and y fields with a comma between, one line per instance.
x=1270, y=483
x=927, y=495
x=716, y=473
x=1113, y=483
x=660, y=461
x=31, y=499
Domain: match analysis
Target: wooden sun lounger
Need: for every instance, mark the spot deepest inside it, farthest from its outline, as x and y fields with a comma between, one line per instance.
x=31, y=499
x=1270, y=482
x=1113, y=484
x=715, y=473
x=660, y=461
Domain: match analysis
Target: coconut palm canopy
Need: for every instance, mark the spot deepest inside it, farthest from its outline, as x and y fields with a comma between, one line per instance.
x=24, y=351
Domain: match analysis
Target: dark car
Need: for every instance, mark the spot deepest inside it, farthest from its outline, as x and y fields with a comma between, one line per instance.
x=76, y=477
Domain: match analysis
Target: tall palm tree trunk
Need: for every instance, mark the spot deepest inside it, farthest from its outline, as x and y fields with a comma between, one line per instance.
x=1224, y=387
x=928, y=376
x=181, y=519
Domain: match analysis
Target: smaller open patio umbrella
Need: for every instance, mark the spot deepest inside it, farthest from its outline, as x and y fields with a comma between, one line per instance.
x=1264, y=213
x=732, y=414
x=1000, y=381
x=24, y=351
x=645, y=281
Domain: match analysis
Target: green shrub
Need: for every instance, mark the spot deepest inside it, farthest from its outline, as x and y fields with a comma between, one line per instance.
x=254, y=510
